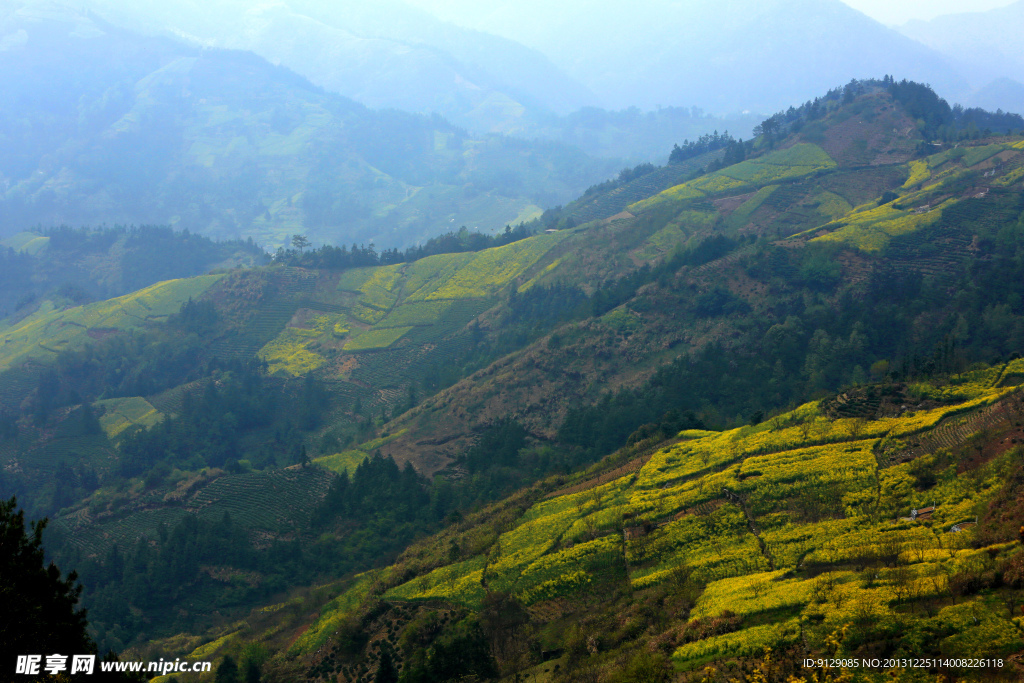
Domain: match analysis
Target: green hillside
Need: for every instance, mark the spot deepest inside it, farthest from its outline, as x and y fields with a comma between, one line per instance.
x=807, y=535
x=377, y=307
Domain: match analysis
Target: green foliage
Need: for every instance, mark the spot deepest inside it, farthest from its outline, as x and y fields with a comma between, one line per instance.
x=498, y=446
x=461, y=651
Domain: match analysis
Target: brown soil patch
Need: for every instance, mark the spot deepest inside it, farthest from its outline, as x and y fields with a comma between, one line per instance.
x=1008, y=439
x=727, y=205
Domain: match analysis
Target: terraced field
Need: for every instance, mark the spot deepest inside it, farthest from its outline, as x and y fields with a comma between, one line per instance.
x=727, y=506
x=78, y=451
x=170, y=402
x=275, y=500
x=272, y=502
x=414, y=303
x=608, y=204
x=795, y=162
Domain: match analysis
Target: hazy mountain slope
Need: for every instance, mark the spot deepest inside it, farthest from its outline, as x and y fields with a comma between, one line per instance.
x=987, y=43
x=1002, y=93
x=105, y=125
x=382, y=54
x=725, y=57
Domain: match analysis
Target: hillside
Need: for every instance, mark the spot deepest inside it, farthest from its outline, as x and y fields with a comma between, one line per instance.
x=864, y=248
x=702, y=306
x=852, y=527
x=110, y=126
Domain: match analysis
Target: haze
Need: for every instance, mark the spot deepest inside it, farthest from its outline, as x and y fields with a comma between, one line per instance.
x=895, y=13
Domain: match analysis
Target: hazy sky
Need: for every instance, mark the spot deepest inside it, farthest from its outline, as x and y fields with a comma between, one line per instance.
x=892, y=12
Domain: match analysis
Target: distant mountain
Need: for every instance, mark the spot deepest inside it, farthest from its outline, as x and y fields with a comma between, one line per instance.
x=987, y=44
x=725, y=56
x=101, y=124
x=381, y=54
x=1002, y=93
x=389, y=54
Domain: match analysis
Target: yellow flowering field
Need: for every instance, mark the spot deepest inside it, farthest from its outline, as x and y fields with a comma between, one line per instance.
x=427, y=274
x=336, y=611
x=288, y=351
x=752, y=594
x=380, y=289
x=344, y=462
x=749, y=641
x=919, y=172
x=458, y=582
x=677, y=193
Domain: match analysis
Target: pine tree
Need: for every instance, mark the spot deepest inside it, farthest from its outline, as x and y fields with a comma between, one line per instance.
x=40, y=612
x=386, y=672
x=227, y=672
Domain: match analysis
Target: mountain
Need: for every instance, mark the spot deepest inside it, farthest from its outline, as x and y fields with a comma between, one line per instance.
x=985, y=44
x=1002, y=93
x=724, y=57
x=381, y=54
x=104, y=125
x=661, y=413
x=392, y=55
